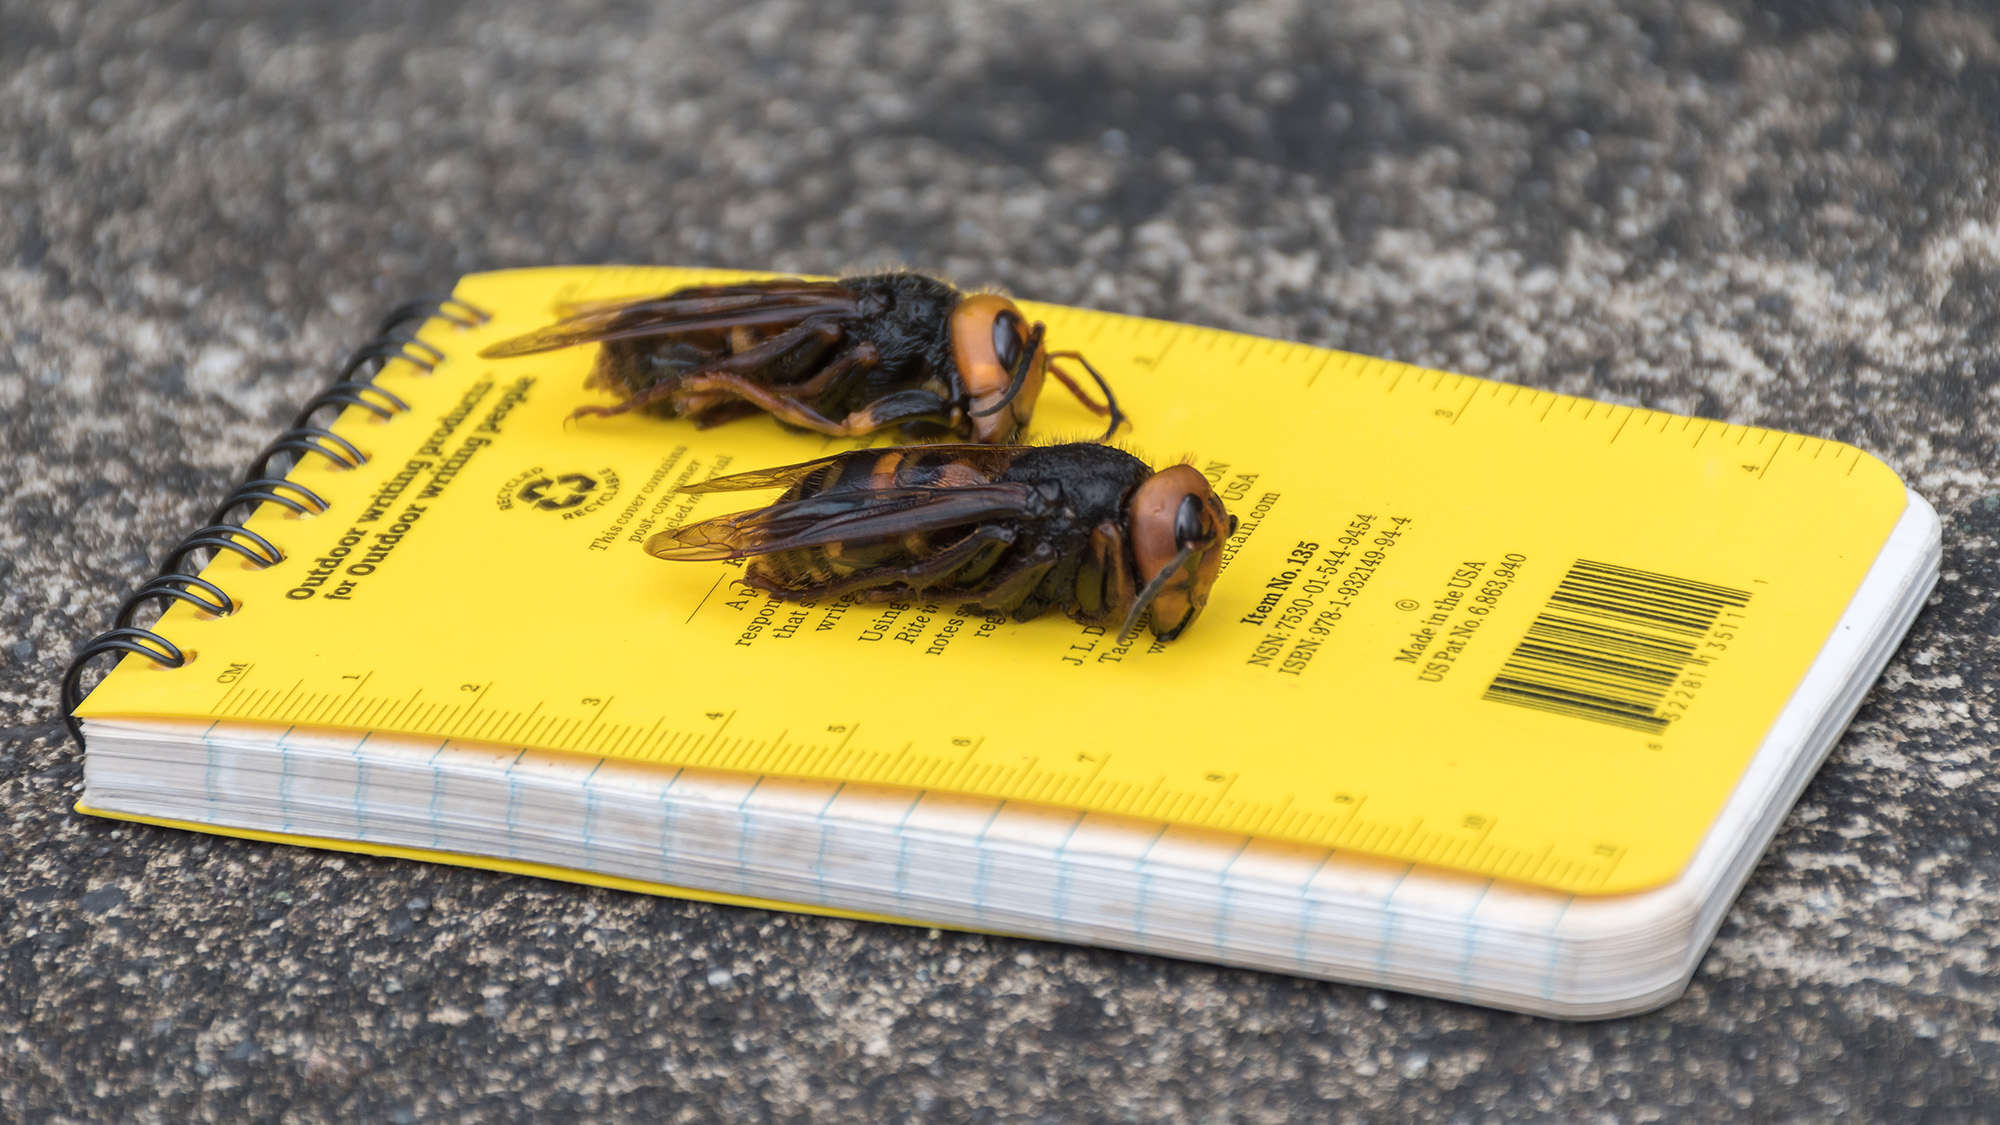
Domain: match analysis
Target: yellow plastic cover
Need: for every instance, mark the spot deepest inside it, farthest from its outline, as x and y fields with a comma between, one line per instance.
x=1463, y=623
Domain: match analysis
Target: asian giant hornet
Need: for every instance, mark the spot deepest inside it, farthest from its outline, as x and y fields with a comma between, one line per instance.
x=844, y=357
x=1088, y=529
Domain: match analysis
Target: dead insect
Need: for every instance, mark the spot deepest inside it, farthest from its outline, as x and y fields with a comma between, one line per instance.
x=843, y=357
x=1084, y=528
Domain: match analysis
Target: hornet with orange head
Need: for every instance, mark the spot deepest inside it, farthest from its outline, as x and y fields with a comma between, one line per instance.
x=1087, y=529
x=843, y=358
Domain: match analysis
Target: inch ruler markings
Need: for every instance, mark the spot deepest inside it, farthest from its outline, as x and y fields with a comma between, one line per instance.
x=1034, y=778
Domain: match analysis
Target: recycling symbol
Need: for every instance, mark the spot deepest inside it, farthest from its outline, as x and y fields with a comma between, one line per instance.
x=566, y=491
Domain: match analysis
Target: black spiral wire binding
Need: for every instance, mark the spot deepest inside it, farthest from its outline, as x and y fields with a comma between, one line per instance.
x=354, y=385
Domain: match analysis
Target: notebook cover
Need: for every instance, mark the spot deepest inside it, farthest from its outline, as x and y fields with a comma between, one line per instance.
x=1463, y=623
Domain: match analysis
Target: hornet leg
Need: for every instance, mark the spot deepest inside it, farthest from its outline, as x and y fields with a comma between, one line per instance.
x=886, y=411
x=1012, y=588
x=1104, y=584
x=702, y=390
x=1110, y=404
x=799, y=346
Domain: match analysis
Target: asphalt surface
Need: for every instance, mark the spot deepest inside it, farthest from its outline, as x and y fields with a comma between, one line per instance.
x=1780, y=213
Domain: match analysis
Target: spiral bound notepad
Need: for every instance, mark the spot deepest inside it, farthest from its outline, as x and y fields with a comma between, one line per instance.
x=1499, y=695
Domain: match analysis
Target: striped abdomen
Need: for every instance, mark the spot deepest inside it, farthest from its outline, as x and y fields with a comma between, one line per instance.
x=920, y=467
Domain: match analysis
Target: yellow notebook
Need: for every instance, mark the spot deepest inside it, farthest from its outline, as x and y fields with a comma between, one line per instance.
x=1491, y=635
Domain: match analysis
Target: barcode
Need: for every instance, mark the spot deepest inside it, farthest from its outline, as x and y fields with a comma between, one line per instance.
x=1611, y=643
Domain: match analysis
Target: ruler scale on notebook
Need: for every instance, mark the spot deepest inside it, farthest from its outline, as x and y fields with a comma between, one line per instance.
x=1464, y=623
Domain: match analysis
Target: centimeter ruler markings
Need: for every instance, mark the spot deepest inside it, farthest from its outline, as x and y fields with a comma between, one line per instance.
x=509, y=718
x=1151, y=341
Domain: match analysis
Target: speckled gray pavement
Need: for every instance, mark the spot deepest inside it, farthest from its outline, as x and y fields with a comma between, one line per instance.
x=1782, y=214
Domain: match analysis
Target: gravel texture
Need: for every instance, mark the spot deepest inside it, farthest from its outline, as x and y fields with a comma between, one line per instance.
x=1779, y=213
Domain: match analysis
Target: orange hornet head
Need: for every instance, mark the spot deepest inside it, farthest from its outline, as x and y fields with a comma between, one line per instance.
x=1001, y=365
x=1177, y=527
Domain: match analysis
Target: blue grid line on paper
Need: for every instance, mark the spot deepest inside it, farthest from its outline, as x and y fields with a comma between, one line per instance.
x=1471, y=943
x=1555, y=951
x=285, y=781
x=979, y=873
x=1145, y=883
x=513, y=804
x=437, y=795
x=208, y=771
x=819, y=857
x=1388, y=927
x=1222, y=906
x=667, y=811
x=903, y=854
x=1061, y=910
x=360, y=786
x=1308, y=907
x=590, y=817
x=745, y=831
